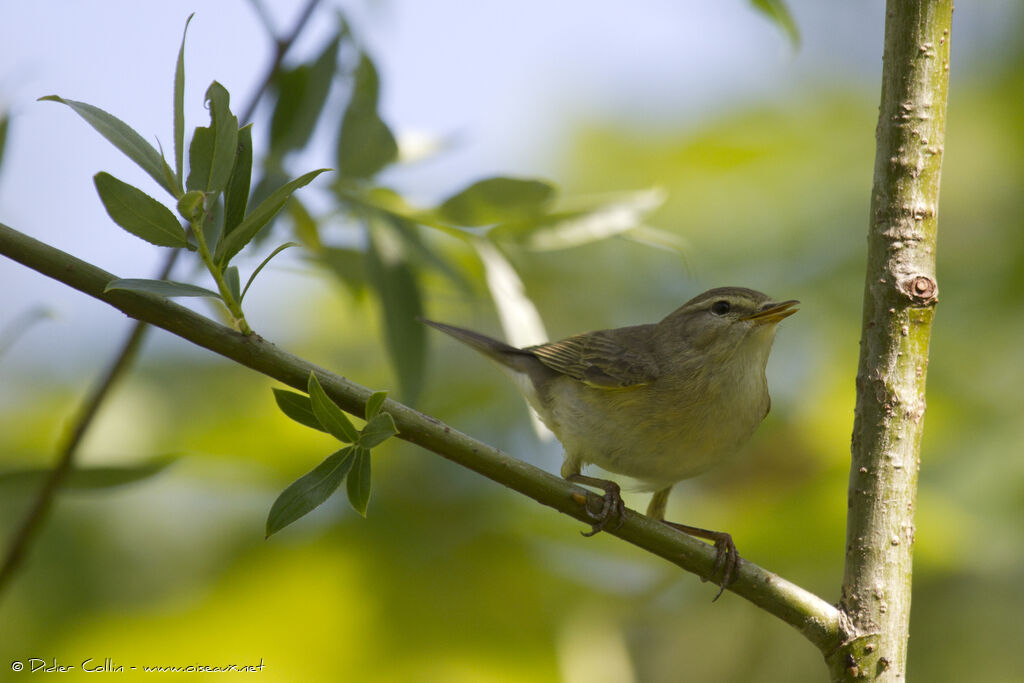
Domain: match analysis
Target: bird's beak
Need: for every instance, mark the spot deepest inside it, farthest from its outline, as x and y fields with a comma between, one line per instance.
x=773, y=312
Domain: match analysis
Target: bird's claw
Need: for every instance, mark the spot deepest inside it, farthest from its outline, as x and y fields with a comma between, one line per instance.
x=612, y=507
x=727, y=559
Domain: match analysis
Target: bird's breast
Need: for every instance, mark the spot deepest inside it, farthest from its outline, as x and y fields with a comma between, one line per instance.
x=672, y=429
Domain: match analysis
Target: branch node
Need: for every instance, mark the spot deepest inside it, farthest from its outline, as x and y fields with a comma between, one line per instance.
x=921, y=289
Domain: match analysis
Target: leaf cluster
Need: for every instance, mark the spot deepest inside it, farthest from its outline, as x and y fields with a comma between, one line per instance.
x=213, y=199
x=352, y=462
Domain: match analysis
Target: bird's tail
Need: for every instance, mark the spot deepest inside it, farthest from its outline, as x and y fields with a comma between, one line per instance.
x=492, y=348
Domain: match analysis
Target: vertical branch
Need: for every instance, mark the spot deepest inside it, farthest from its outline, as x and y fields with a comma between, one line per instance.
x=899, y=300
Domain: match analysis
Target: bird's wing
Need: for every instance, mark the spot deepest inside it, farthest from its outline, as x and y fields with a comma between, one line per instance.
x=600, y=360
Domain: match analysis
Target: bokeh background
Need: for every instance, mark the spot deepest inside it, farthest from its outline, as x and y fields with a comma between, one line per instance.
x=764, y=151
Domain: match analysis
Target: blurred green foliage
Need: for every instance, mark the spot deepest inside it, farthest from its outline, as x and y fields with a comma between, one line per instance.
x=451, y=578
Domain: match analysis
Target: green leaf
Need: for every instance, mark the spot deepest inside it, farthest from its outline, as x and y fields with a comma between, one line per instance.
x=304, y=227
x=265, y=261
x=377, y=197
x=420, y=253
x=777, y=11
x=407, y=222
x=236, y=195
x=348, y=265
x=298, y=407
x=231, y=275
x=609, y=217
x=272, y=178
x=379, y=429
x=310, y=490
x=301, y=94
x=123, y=137
x=167, y=288
x=321, y=75
x=359, y=481
x=138, y=213
x=200, y=158
x=86, y=478
x=169, y=175
x=179, y=106
x=225, y=137
x=365, y=143
x=329, y=414
x=374, y=403
x=366, y=146
x=497, y=200
x=290, y=86
x=260, y=216
x=398, y=292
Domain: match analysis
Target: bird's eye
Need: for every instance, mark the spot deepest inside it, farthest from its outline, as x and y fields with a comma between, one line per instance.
x=720, y=307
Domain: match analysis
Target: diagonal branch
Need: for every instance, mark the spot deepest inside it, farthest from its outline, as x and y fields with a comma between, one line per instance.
x=817, y=620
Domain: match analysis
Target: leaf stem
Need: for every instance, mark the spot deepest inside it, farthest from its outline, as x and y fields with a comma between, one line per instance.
x=234, y=307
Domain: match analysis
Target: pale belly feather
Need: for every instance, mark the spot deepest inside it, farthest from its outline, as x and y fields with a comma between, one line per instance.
x=690, y=433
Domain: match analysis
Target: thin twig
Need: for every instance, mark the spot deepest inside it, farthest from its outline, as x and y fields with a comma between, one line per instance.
x=37, y=513
x=32, y=522
x=260, y=10
x=282, y=45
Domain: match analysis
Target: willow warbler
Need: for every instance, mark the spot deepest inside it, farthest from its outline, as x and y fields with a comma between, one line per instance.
x=660, y=402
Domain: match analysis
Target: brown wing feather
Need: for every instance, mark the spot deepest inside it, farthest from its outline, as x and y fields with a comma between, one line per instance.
x=599, y=360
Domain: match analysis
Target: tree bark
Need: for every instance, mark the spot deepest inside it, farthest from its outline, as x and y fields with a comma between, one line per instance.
x=900, y=294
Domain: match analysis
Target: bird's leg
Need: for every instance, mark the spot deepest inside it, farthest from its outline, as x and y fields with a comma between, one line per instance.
x=613, y=507
x=726, y=556
x=656, y=508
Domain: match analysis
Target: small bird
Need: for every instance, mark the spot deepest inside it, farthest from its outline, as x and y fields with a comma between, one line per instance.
x=660, y=402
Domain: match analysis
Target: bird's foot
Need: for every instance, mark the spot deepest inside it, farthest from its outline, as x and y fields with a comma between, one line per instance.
x=612, y=507
x=727, y=558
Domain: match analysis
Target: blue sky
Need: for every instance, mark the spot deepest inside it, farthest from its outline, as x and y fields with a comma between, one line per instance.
x=506, y=79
